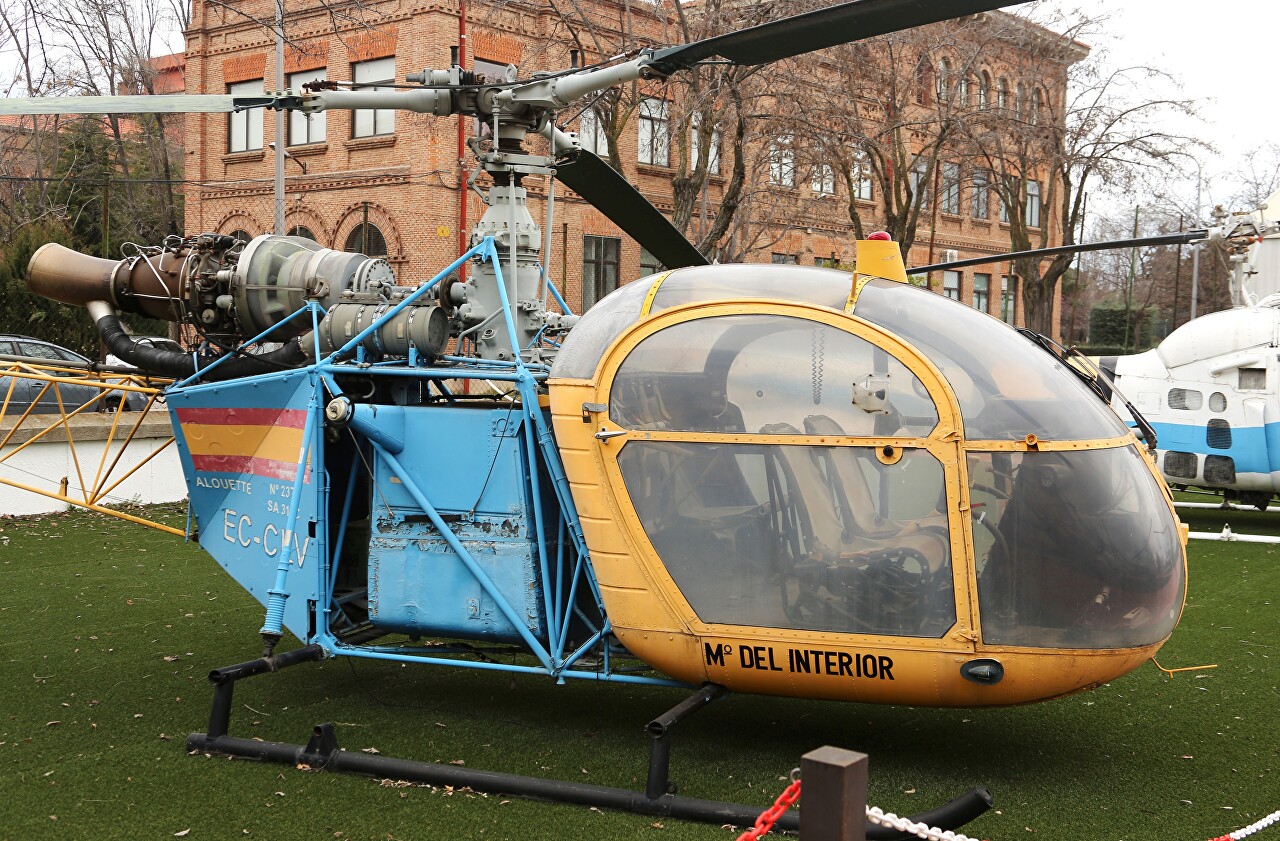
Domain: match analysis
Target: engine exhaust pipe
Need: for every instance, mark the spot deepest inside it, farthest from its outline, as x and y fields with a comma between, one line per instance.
x=148, y=286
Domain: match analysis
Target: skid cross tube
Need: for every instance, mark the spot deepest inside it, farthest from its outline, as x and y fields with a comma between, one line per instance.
x=322, y=752
x=659, y=781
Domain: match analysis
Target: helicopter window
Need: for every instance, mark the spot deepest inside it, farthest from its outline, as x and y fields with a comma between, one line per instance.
x=743, y=373
x=1181, y=465
x=718, y=283
x=600, y=268
x=809, y=538
x=1185, y=398
x=1006, y=387
x=1073, y=550
x=1217, y=402
x=1218, y=434
x=589, y=339
x=1219, y=470
x=1253, y=379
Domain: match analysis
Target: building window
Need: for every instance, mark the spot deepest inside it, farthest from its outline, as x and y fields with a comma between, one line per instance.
x=244, y=128
x=241, y=235
x=1037, y=106
x=1002, y=94
x=984, y=89
x=648, y=263
x=962, y=91
x=950, y=197
x=591, y=133
x=599, y=268
x=951, y=285
x=301, y=231
x=981, y=292
x=861, y=176
x=824, y=180
x=979, y=206
x=1008, y=289
x=1020, y=101
x=919, y=183
x=366, y=239
x=377, y=75
x=1033, y=204
x=779, y=259
x=306, y=128
x=832, y=262
x=782, y=162
x=944, y=80
x=655, y=132
x=713, y=149
x=924, y=82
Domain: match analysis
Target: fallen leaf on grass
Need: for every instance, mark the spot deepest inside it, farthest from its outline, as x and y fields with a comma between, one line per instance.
x=370, y=750
x=181, y=834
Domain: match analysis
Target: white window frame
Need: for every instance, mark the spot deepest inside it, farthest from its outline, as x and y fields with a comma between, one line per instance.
x=949, y=195
x=655, y=132
x=823, y=181
x=782, y=161
x=367, y=122
x=306, y=128
x=713, y=153
x=861, y=176
x=982, y=288
x=591, y=134
x=980, y=202
x=244, y=128
x=1032, y=204
x=951, y=285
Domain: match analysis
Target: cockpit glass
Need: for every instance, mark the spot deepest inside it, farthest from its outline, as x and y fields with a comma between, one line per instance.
x=768, y=373
x=825, y=287
x=1007, y=387
x=790, y=536
x=1073, y=549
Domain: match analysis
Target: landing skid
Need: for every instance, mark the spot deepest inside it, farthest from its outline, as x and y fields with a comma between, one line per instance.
x=321, y=752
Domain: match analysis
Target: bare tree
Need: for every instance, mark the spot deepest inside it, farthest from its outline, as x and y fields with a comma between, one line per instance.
x=1044, y=152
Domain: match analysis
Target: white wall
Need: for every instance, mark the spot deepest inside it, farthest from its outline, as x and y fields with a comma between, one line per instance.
x=44, y=463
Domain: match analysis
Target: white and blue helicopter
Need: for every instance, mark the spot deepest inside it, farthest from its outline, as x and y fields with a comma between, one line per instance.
x=1211, y=389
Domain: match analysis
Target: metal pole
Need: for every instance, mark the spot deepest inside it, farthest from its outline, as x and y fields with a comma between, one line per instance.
x=1177, y=282
x=1195, y=277
x=835, y=795
x=280, y=118
x=1128, y=298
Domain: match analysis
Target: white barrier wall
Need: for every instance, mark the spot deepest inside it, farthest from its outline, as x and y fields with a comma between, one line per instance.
x=46, y=462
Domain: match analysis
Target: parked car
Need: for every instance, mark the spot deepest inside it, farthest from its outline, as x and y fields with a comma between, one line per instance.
x=24, y=391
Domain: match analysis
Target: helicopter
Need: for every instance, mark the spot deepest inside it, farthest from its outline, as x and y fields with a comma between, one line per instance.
x=1208, y=388
x=742, y=478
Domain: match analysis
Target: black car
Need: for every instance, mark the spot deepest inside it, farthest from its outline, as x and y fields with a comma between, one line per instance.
x=21, y=391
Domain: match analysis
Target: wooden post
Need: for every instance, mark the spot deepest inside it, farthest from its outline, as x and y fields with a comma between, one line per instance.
x=834, y=797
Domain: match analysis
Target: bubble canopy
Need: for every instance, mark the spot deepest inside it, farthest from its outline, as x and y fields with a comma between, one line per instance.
x=916, y=469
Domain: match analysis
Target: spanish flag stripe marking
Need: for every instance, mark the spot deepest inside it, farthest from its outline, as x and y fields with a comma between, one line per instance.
x=239, y=416
x=270, y=442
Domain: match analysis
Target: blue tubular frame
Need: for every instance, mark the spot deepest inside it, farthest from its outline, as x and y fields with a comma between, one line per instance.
x=565, y=572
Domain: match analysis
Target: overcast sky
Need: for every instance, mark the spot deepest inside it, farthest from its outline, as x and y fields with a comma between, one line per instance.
x=1224, y=54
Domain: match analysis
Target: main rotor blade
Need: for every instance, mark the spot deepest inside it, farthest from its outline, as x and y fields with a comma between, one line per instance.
x=609, y=192
x=818, y=30
x=1183, y=238
x=163, y=104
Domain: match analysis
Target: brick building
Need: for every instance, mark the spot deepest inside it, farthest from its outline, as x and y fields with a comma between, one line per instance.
x=393, y=183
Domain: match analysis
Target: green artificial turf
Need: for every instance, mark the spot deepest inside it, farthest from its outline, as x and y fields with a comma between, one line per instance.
x=108, y=630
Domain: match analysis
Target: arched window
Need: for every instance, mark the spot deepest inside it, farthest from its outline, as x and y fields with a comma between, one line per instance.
x=1002, y=94
x=366, y=239
x=1020, y=101
x=984, y=89
x=1037, y=106
x=962, y=90
x=242, y=235
x=924, y=82
x=301, y=231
